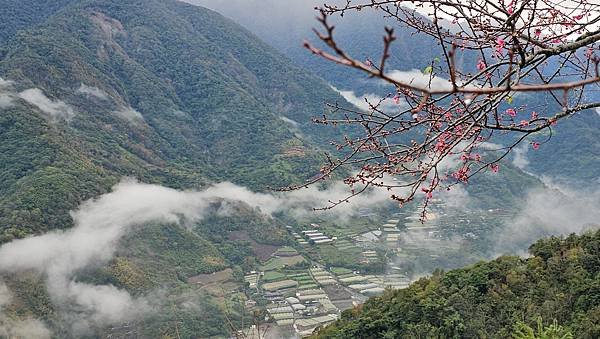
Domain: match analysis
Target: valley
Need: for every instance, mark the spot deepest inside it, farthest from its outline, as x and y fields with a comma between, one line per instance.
x=331, y=266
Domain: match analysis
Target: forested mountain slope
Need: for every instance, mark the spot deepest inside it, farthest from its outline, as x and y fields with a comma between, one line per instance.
x=92, y=92
x=560, y=281
x=158, y=90
x=22, y=14
x=571, y=155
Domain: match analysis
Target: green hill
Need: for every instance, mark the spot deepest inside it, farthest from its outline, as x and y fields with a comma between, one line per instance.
x=158, y=90
x=487, y=300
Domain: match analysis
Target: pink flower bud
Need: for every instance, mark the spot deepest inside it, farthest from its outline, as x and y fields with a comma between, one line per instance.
x=481, y=65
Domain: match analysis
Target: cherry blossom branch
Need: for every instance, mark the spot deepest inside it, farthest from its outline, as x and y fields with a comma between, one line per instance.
x=438, y=137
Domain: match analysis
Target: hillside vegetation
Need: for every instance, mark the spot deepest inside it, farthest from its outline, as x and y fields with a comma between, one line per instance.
x=161, y=91
x=92, y=92
x=560, y=281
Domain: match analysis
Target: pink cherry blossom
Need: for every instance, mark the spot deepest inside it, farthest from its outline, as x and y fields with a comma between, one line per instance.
x=511, y=112
x=495, y=168
x=535, y=145
x=462, y=174
x=500, y=43
x=589, y=52
x=481, y=65
x=534, y=115
x=511, y=7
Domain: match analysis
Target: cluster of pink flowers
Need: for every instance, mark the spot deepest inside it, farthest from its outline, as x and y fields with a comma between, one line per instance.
x=534, y=115
x=462, y=174
x=500, y=43
x=511, y=112
x=589, y=52
x=511, y=7
x=441, y=144
x=466, y=157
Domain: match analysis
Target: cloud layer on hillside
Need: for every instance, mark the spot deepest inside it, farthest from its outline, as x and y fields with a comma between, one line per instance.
x=553, y=210
x=55, y=109
x=101, y=223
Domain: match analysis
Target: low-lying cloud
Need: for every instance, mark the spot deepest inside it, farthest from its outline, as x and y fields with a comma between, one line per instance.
x=550, y=211
x=54, y=109
x=365, y=101
x=419, y=79
x=92, y=91
x=292, y=123
x=101, y=223
x=129, y=114
x=125, y=112
x=7, y=96
x=520, y=156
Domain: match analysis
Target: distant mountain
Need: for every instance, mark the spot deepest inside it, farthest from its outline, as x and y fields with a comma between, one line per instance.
x=571, y=155
x=285, y=25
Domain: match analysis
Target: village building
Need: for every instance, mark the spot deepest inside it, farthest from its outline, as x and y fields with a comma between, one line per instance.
x=307, y=326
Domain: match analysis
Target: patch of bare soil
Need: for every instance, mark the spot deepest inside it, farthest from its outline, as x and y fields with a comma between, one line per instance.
x=262, y=251
x=211, y=278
